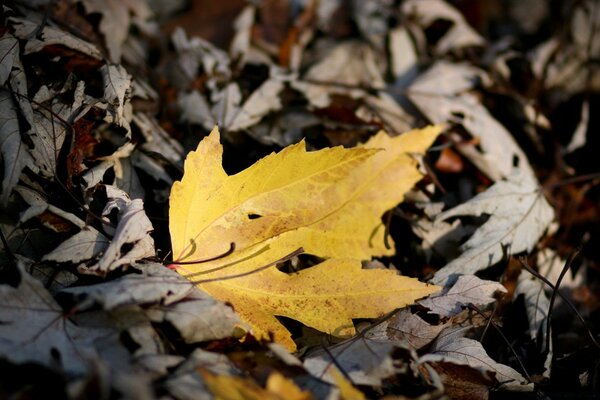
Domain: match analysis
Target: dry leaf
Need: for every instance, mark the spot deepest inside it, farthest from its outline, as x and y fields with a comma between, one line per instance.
x=328, y=202
x=459, y=35
x=366, y=362
x=14, y=152
x=468, y=289
x=443, y=94
x=518, y=217
x=406, y=327
x=464, y=351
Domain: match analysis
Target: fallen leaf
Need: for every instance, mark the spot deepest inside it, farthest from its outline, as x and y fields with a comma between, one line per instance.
x=463, y=382
x=117, y=16
x=199, y=318
x=51, y=36
x=366, y=362
x=407, y=327
x=14, y=152
x=329, y=202
x=117, y=82
x=518, y=217
x=156, y=284
x=443, y=94
x=348, y=69
x=9, y=51
x=468, y=289
x=459, y=35
x=186, y=384
x=464, y=351
x=33, y=322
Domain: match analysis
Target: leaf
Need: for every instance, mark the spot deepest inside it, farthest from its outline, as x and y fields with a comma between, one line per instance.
x=329, y=202
x=50, y=36
x=14, y=153
x=537, y=304
x=33, y=323
x=117, y=82
x=366, y=362
x=406, y=326
x=518, y=216
x=9, y=51
x=199, y=318
x=443, y=94
x=345, y=70
x=460, y=33
x=155, y=284
x=464, y=351
x=468, y=289
x=116, y=19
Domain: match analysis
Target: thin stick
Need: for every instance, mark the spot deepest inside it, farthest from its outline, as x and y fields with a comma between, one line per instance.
x=222, y=255
x=254, y=271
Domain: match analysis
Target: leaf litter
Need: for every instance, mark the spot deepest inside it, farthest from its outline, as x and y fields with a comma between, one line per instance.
x=101, y=106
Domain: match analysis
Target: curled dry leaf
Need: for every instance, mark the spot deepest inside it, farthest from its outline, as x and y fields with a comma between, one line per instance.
x=367, y=362
x=459, y=35
x=329, y=202
x=154, y=285
x=199, y=317
x=33, y=323
x=407, y=327
x=130, y=241
x=442, y=94
x=464, y=351
x=117, y=82
x=468, y=289
x=537, y=304
x=14, y=152
x=518, y=217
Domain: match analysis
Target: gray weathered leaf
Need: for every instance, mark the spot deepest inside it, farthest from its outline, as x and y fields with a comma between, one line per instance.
x=14, y=153
x=348, y=69
x=116, y=19
x=464, y=351
x=468, y=289
x=51, y=36
x=459, y=35
x=84, y=245
x=199, y=318
x=33, y=323
x=157, y=140
x=9, y=51
x=156, y=284
x=187, y=384
x=518, y=217
x=117, y=82
x=194, y=109
x=537, y=304
x=406, y=326
x=367, y=362
x=442, y=94
x=132, y=230
x=226, y=104
x=262, y=101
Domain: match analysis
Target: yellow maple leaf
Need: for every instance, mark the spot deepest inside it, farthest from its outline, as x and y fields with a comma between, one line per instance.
x=329, y=202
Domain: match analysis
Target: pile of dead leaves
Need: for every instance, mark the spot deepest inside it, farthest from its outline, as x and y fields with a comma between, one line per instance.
x=391, y=201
